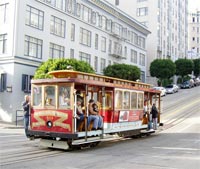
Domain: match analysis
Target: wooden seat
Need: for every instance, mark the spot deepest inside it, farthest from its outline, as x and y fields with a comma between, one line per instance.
x=82, y=125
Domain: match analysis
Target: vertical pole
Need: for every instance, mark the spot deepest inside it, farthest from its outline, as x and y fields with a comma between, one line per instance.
x=75, y=110
x=87, y=112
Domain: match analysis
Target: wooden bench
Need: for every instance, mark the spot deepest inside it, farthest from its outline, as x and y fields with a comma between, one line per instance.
x=81, y=127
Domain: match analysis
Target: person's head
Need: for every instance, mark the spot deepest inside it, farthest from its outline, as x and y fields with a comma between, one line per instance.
x=79, y=102
x=26, y=97
x=91, y=101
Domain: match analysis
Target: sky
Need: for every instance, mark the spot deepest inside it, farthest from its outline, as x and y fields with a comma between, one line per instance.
x=193, y=5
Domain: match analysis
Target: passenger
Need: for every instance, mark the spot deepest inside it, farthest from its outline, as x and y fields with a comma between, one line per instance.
x=26, y=108
x=149, y=115
x=49, y=102
x=94, y=115
x=154, y=113
x=79, y=112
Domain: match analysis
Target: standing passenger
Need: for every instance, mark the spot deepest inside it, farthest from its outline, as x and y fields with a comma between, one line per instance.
x=154, y=113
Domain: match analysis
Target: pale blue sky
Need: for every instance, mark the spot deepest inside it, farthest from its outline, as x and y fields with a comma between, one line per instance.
x=193, y=5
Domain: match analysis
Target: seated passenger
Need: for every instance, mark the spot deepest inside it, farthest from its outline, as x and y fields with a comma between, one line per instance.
x=94, y=115
x=49, y=102
x=79, y=111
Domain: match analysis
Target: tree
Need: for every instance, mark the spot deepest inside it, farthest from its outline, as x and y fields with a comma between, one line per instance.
x=61, y=64
x=123, y=71
x=196, y=67
x=162, y=69
x=184, y=67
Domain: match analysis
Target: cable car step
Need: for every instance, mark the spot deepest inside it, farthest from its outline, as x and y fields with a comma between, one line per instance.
x=54, y=144
x=147, y=131
x=95, y=139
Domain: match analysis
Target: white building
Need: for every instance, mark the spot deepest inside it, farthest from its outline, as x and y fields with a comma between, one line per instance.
x=194, y=35
x=167, y=21
x=33, y=31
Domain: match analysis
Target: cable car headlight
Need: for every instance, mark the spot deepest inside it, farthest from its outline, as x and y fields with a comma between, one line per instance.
x=49, y=124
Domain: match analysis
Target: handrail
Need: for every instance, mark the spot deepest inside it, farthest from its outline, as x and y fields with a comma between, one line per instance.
x=17, y=114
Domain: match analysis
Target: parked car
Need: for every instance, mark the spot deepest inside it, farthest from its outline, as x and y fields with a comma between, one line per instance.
x=187, y=84
x=162, y=89
x=172, y=88
x=196, y=82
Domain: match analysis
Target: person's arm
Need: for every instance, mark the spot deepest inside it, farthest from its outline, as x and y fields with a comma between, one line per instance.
x=25, y=106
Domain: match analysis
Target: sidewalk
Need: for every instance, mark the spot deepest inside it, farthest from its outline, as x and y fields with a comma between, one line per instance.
x=12, y=125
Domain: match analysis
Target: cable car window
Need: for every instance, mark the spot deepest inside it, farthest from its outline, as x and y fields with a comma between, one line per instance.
x=49, y=95
x=126, y=100
x=37, y=96
x=108, y=99
x=64, y=96
x=133, y=100
x=140, y=100
x=118, y=99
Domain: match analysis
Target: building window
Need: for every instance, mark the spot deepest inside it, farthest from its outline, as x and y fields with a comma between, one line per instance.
x=94, y=18
x=125, y=51
x=87, y=14
x=103, y=64
x=142, y=59
x=56, y=51
x=117, y=29
x=103, y=44
x=117, y=49
x=104, y=23
x=85, y=37
x=141, y=42
x=70, y=7
x=57, y=26
x=85, y=57
x=33, y=47
x=60, y=4
x=72, y=32
x=142, y=11
x=26, y=83
x=34, y=17
x=110, y=46
x=3, y=82
x=78, y=9
x=96, y=41
x=72, y=53
x=133, y=56
x=96, y=63
x=3, y=43
x=3, y=13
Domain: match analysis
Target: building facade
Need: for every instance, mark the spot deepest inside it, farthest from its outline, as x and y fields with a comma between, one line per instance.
x=32, y=31
x=167, y=21
x=194, y=35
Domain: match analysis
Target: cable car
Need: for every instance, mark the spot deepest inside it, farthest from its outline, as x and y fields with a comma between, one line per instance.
x=121, y=103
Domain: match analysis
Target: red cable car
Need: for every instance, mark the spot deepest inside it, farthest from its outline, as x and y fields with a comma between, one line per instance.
x=120, y=102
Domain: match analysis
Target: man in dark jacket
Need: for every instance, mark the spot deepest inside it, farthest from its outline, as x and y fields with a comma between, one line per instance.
x=26, y=108
x=154, y=113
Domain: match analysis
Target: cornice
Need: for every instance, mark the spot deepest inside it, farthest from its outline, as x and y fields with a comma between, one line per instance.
x=120, y=15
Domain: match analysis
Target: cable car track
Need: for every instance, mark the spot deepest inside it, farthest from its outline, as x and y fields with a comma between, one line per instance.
x=9, y=158
x=181, y=114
